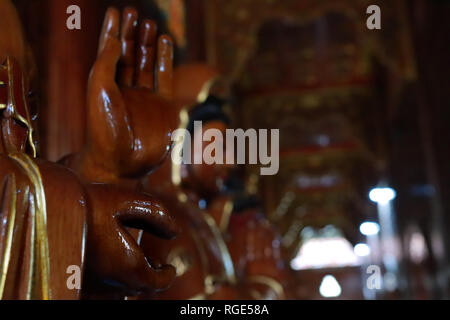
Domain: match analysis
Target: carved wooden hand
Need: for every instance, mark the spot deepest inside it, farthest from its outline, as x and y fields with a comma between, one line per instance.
x=130, y=118
x=112, y=253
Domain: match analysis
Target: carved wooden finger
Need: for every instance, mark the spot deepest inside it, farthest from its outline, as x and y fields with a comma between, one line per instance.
x=128, y=39
x=165, y=67
x=147, y=55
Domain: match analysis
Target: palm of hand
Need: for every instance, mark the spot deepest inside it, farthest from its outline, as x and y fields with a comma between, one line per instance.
x=130, y=119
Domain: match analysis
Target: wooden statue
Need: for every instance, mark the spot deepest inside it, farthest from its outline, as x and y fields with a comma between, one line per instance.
x=52, y=220
x=255, y=249
x=205, y=267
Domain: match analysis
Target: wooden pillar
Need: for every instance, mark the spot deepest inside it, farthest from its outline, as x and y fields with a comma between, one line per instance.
x=70, y=55
x=196, y=31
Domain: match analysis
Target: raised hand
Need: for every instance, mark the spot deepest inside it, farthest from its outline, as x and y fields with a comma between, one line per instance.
x=130, y=118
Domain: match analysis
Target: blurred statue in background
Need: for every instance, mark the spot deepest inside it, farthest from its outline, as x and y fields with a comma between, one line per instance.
x=194, y=195
x=199, y=253
x=255, y=247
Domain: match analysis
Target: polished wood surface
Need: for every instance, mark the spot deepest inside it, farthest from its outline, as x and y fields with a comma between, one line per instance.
x=20, y=195
x=64, y=69
x=12, y=43
x=87, y=226
x=129, y=122
x=96, y=213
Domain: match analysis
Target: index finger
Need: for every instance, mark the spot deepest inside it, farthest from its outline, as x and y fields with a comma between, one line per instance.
x=110, y=28
x=165, y=67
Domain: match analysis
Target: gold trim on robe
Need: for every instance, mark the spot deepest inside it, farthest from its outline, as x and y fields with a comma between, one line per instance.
x=36, y=241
